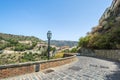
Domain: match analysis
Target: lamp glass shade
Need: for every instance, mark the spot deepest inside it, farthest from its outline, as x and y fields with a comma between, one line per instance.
x=49, y=34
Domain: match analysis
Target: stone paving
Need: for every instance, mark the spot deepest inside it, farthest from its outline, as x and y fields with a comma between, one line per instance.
x=86, y=68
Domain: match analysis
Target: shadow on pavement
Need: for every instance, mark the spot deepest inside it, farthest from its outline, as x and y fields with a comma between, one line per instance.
x=116, y=74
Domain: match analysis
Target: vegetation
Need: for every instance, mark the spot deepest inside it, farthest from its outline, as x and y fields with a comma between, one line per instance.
x=108, y=40
x=23, y=47
x=66, y=51
x=30, y=57
x=104, y=36
x=58, y=55
x=13, y=41
x=20, y=49
x=15, y=38
x=74, y=50
x=83, y=41
x=20, y=57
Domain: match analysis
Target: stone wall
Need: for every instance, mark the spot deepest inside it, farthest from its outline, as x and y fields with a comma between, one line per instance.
x=29, y=67
x=57, y=62
x=109, y=54
x=12, y=70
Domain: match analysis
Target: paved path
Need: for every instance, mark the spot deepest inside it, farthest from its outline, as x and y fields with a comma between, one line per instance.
x=86, y=68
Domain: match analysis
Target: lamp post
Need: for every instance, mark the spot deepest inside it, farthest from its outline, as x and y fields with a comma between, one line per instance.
x=49, y=35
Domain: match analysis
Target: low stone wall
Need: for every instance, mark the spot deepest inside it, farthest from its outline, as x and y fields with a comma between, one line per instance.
x=109, y=54
x=29, y=67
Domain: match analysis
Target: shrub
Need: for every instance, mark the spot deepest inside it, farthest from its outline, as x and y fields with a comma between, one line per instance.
x=74, y=50
x=59, y=55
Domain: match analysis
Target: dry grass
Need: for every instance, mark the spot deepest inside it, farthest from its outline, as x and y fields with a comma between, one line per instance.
x=59, y=55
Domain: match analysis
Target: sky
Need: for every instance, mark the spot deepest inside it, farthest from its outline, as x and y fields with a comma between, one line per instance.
x=66, y=19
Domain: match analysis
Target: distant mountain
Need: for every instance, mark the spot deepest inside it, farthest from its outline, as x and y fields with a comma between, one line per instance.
x=60, y=43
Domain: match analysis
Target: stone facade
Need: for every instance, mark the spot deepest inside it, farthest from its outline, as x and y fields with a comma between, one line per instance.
x=23, y=68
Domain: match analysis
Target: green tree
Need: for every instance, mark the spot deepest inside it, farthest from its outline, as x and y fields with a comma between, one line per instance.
x=83, y=41
x=74, y=50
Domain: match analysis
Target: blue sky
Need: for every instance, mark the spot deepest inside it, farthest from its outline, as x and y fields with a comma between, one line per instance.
x=67, y=19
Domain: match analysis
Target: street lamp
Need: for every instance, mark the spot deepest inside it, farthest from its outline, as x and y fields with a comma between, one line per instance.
x=49, y=35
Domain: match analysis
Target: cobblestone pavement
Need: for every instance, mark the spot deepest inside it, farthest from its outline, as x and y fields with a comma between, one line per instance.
x=86, y=68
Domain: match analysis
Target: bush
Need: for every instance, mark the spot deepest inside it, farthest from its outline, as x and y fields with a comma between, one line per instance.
x=74, y=50
x=28, y=57
x=58, y=55
x=83, y=41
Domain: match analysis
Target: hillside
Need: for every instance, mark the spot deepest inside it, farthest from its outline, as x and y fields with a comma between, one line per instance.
x=17, y=49
x=18, y=42
x=106, y=35
x=60, y=43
